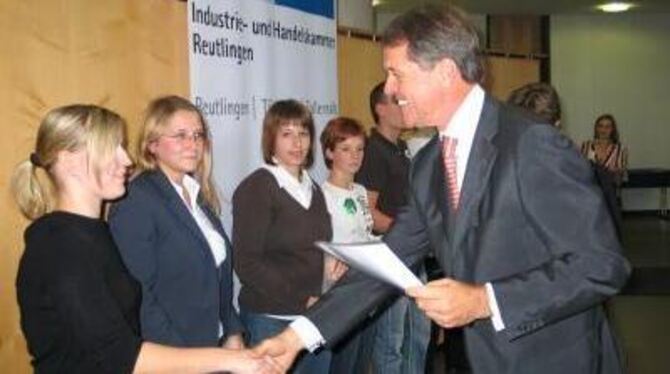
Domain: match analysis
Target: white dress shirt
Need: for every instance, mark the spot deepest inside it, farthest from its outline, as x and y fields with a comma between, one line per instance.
x=462, y=127
x=300, y=190
x=216, y=243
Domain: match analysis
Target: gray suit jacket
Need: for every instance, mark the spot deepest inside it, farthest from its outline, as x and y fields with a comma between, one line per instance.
x=184, y=296
x=531, y=221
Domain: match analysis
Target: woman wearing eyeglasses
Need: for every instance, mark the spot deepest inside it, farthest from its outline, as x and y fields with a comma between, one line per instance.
x=170, y=236
x=343, y=144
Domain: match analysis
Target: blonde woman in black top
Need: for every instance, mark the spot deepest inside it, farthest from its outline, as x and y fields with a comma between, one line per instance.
x=79, y=306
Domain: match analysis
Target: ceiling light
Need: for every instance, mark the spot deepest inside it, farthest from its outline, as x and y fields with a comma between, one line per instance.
x=615, y=7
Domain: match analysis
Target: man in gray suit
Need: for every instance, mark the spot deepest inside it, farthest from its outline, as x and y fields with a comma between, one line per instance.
x=510, y=209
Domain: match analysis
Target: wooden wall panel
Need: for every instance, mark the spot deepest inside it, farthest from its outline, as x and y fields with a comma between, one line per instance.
x=505, y=74
x=119, y=54
x=359, y=69
x=515, y=34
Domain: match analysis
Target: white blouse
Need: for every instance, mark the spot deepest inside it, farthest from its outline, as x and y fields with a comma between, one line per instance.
x=216, y=243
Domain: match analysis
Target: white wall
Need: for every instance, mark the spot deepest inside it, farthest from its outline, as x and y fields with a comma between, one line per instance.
x=617, y=64
x=620, y=65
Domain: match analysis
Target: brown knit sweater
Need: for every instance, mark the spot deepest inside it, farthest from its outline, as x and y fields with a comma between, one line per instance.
x=273, y=239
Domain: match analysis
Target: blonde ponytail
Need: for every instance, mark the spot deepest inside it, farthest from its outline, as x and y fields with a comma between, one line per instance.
x=33, y=193
x=67, y=128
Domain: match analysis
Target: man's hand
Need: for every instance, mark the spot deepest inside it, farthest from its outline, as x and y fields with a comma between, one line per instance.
x=246, y=362
x=451, y=303
x=282, y=348
x=234, y=342
x=334, y=269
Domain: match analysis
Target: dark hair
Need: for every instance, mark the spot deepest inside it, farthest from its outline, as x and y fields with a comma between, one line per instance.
x=615, y=129
x=377, y=96
x=434, y=33
x=282, y=113
x=336, y=131
x=540, y=98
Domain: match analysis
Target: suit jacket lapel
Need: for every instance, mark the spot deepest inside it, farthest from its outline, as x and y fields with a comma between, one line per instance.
x=216, y=222
x=175, y=204
x=480, y=164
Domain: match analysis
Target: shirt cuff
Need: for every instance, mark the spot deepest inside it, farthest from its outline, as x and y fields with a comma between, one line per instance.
x=308, y=333
x=496, y=318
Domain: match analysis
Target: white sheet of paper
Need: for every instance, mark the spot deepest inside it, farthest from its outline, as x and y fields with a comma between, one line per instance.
x=375, y=259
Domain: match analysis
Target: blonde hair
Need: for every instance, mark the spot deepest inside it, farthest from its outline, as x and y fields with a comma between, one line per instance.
x=69, y=128
x=158, y=114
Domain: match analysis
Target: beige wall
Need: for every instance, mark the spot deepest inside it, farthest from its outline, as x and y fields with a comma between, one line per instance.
x=503, y=75
x=115, y=53
x=359, y=69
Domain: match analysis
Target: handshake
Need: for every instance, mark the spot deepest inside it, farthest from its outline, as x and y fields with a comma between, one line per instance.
x=273, y=356
x=447, y=302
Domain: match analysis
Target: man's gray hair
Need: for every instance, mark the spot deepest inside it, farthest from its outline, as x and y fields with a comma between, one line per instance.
x=437, y=32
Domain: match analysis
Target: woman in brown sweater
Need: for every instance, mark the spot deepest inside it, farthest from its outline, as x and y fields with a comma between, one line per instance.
x=278, y=214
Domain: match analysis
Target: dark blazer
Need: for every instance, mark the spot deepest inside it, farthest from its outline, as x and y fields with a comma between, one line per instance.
x=532, y=221
x=183, y=295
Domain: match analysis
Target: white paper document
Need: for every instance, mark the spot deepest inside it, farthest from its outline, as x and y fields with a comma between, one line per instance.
x=375, y=259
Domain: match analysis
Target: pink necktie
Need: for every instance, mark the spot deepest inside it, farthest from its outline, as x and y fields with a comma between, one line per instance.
x=449, y=158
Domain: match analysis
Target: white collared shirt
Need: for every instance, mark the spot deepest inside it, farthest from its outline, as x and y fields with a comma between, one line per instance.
x=462, y=126
x=300, y=190
x=216, y=243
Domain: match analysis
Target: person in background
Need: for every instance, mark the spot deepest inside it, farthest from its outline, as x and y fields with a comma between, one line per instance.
x=169, y=234
x=278, y=214
x=402, y=331
x=343, y=143
x=386, y=163
x=79, y=305
x=539, y=98
x=542, y=100
x=606, y=150
x=416, y=138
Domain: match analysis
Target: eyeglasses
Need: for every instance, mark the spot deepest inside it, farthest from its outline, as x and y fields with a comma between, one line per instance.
x=183, y=136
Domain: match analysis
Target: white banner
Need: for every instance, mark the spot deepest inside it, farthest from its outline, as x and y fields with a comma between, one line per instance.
x=245, y=54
